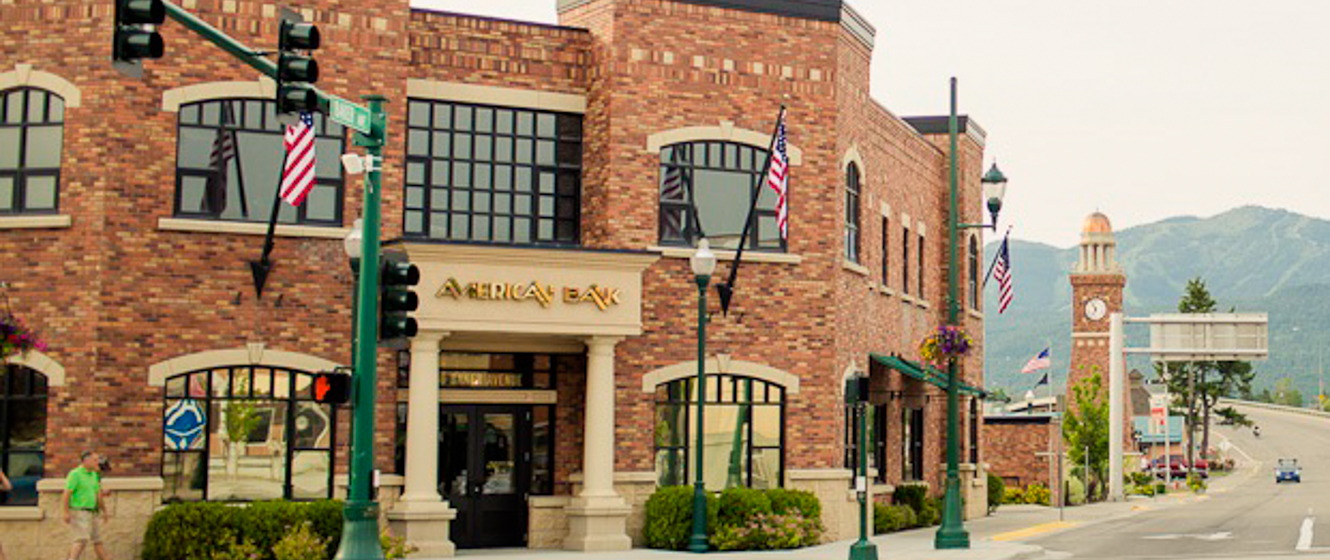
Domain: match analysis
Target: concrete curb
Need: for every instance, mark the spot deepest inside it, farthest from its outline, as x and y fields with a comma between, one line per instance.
x=1276, y=407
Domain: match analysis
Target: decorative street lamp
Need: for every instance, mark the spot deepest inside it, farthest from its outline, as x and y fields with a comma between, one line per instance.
x=952, y=534
x=703, y=263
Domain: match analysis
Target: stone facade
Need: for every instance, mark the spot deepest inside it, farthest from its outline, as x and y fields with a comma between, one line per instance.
x=123, y=285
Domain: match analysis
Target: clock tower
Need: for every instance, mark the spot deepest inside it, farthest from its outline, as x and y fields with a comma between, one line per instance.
x=1096, y=288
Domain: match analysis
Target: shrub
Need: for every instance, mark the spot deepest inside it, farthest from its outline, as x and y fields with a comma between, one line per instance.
x=930, y=514
x=1161, y=488
x=1013, y=495
x=996, y=492
x=394, y=548
x=669, y=517
x=913, y=495
x=890, y=518
x=789, y=501
x=768, y=531
x=1146, y=490
x=1075, y=491
x=1196, y=483
x=1140, y=478
x=233, y=550
x=740, y=505
x=199, y=530
x=301, y=544
x=1037, y=494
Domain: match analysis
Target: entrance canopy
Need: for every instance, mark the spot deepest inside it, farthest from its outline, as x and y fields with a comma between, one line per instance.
x=927, y=374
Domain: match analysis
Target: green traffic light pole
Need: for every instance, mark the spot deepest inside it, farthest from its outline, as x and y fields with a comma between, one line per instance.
x=360, y=529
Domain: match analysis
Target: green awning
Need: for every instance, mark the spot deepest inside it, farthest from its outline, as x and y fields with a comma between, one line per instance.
x=927, y=374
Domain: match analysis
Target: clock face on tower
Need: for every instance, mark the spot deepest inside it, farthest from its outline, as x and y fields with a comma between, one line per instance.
x=1095, y=309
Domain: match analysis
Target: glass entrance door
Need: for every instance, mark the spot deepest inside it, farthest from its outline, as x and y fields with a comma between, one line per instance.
x=484, y=472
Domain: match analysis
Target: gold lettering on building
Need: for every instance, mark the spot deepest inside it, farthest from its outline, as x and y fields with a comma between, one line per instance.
x=544, y=294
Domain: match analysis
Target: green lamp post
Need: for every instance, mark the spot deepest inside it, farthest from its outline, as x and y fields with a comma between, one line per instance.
x=952, y=534
x=856, y=397
x=703, y=263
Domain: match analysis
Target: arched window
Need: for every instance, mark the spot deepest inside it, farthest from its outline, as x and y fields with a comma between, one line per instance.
x=974, y=272
x=32, y=125
x=744, y=432
x=706, y=189
x=23, y=394
x=246, y=433
x=852, y=193
x=230, y=154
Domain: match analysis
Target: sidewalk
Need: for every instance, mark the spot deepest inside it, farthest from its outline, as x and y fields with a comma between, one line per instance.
x=915, y=545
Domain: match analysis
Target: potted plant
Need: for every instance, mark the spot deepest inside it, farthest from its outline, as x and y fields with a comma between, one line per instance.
x=947, y=343
x=16, y=338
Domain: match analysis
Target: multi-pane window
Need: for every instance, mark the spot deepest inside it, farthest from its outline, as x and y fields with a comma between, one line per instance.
x=23, y=395
x=974, y=430
x=905, y=260
x=921, y=267
x=974, y=272
x=852, y=193
x=886, y=238
x=743, y=435
x=912, y=452
x=493, y=175
x=706, y=189
x=246, y=433
x=877, y=442
x=229, y=164
x=31, y=132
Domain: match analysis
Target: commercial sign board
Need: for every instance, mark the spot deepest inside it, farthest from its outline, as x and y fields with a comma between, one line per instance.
x=1190, y=337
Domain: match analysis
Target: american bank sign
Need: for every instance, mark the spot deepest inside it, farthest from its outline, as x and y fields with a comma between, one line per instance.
x=544, y=294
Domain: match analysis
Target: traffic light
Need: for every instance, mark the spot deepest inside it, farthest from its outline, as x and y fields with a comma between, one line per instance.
x=332, y=387
x=136, y=38
x=396, y=276
x=296, y=73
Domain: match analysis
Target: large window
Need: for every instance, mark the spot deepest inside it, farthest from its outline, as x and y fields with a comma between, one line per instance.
x=912, y=452
x=31, y=132
x=920, y=292
x=886, y=238
x=974, y=272
x=22, y=432
x=744, y=432
x=852, y=193
x=493, y=175
x=905, y=260
x=246, y=433
x=706, y=189
x=229, y=165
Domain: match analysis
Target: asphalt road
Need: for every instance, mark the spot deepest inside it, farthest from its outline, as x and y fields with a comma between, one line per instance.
x=1245, y=515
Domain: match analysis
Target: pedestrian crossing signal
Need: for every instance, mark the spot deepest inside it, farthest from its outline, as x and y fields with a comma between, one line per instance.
x=332, y=388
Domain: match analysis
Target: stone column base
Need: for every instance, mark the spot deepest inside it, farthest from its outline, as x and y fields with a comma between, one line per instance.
x=597, y=524
x=426, y=526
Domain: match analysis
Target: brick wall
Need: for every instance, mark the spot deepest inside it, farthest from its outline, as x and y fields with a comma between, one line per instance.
x=1013, y=448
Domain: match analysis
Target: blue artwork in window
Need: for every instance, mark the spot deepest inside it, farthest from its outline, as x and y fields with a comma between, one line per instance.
x=184, y=426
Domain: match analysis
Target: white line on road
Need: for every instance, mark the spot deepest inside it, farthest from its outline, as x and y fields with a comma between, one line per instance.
x=1305, y=537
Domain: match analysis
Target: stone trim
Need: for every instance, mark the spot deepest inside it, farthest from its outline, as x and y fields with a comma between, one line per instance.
x=819, y=474
x=1089, y=335
x=545, y=258
x=975, y=314
x=33, y=513
x=855, y=267
x=252, y=354
x=494, y=95
x=728, y=256
x=174, y=98
x=884, y=290
x=852, y=156
x=24, y=76
x=43, y=364
x=246, y=228
x=483, y=396
x=123, y=484
x=642, y=477
x=725, y=132
x=721, y=363
x=47, y=221
x=857, y=25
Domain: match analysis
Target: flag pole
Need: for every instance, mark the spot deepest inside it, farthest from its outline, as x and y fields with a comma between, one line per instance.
x=726, y=289
x=260, y=268
x=995, y=257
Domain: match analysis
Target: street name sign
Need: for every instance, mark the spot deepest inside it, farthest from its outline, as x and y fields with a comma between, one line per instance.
x=349, y=114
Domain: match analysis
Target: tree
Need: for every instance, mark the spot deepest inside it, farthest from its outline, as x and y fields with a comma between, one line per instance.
x=1086, y=426
x=1286, y=394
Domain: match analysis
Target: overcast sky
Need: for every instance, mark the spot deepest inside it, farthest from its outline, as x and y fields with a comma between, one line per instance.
x=1143, y=109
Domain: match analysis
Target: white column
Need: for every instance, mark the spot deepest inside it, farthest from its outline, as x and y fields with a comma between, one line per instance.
x=1115, y=402
x=598, y=453
x=422, y=421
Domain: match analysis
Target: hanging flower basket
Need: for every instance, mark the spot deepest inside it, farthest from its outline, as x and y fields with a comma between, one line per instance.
x=16, y=338
x=947, y=343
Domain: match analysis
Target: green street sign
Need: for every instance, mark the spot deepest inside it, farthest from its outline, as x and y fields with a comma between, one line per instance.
x=349, y=114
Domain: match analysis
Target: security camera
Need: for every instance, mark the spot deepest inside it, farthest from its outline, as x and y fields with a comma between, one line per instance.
x=353, y=164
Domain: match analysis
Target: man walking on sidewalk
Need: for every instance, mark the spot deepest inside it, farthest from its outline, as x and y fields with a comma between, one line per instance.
x=82, y=502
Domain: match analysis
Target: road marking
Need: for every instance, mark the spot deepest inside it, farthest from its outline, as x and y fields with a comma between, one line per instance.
x=1220, y=536
x=1305, y=537
x=1034, y=530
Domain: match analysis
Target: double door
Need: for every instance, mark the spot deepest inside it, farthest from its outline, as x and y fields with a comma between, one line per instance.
x=485, y=471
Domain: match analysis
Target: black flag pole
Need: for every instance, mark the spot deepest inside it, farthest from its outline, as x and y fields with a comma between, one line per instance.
x=995, y=257
x=726, y=289
x=263, y=266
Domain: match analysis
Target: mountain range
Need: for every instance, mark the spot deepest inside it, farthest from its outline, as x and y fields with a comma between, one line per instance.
x=1252, y=259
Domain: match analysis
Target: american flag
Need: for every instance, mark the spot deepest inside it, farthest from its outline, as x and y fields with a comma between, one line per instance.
x=1002, y=272
x=1042, y=361
x=223, y=151
x=298, y=175
x=778, y=178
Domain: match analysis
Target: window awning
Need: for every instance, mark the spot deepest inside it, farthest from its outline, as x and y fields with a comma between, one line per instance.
x=927, y=374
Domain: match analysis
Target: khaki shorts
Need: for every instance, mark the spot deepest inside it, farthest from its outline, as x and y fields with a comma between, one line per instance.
x=84, y=526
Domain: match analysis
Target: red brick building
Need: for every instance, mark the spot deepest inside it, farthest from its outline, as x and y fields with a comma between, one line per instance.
x=550, y=181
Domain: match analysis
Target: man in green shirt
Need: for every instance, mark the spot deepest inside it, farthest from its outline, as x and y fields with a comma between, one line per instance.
x=82, y=502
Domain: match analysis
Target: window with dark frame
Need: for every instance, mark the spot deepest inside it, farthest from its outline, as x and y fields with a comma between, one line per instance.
x=974, y=431
x=912, y=450
x=877, y=442
x=264, y=417
x=749, y=413
x=905, y=260
x=706, y=189
x=886, y=238
x=484, y=174
x=974, y=272
x=852, y=194
x=23, y=413
x=32, y=127
x=239, y=142
x=921, y=271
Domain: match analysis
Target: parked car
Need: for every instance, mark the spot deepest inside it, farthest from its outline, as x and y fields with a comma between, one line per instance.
x=1177, y=466
x=1288, y=469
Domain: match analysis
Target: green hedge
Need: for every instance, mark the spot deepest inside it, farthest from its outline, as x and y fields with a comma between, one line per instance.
x=891, y=518
x=996, y=491
x=737, y=519
x=196, y=530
